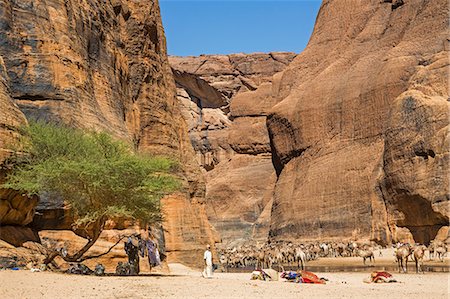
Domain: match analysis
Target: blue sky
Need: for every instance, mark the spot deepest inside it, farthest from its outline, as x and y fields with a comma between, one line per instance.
x=195, y=27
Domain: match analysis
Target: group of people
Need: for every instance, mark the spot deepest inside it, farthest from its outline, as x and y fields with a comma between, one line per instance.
x=136, y=247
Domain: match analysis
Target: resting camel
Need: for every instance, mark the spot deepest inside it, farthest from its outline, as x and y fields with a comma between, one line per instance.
x=402, y=254
x=418, y=254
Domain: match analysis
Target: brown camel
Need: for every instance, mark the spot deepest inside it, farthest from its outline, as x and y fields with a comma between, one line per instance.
x=418, y=254
x=300, y=257
x=366, y=254
x=402, y=254
x=440, y=252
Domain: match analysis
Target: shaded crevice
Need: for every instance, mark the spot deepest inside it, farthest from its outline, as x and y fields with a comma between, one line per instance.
x=201, y=89
x=286, y=131
x=276, y=161
x=418, y=216
x=425, y=154
x=36, y=97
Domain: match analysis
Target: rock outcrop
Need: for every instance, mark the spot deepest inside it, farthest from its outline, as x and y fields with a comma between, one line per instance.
x=102, y=65
x=15, y=209
x=360, y=137
x=225, y=100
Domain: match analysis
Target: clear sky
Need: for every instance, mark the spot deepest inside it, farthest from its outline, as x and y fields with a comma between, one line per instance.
x=195, y=27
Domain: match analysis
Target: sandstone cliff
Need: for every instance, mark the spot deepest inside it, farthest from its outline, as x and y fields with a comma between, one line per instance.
x=14, y=208
x=360, y=139
x=103, y=65
x=226, y=119
x=357, y=128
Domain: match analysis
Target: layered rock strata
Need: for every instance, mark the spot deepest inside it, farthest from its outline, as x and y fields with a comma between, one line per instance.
x=15, y=209
x=225, y=100
x=102, y=65
x=360, y=137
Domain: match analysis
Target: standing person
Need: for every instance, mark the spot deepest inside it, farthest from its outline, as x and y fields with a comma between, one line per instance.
x=207, y=257
x=132, y=251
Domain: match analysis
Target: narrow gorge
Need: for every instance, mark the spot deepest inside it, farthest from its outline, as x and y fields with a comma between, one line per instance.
x=347, y=140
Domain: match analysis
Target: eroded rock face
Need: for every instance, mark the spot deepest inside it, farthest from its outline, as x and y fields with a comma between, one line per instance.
x=360, y=138
x=15, y=208
x=225, y=100
x=101, y=65
x=416, y=163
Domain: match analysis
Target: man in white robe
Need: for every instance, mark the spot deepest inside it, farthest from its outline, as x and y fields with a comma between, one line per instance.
x=207, y=257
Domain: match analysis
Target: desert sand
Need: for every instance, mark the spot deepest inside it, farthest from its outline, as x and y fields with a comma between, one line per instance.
x=183, y=282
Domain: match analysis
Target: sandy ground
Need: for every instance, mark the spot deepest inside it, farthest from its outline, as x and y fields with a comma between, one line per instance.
x=186, y=283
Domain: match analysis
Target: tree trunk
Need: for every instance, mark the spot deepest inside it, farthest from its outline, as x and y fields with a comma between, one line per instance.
x=97, y=228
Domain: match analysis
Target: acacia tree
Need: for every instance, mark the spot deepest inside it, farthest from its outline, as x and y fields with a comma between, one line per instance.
x=97, y=176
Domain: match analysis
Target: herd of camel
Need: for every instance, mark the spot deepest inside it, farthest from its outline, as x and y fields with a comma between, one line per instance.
x=288, y=253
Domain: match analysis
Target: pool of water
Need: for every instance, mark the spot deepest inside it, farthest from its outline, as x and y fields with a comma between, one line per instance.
x=325, y=269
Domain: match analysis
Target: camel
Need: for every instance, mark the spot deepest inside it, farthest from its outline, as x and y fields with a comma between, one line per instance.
x=325, y=249
x=440, y=251
x=366, y=254
x=431, y=251
x=340, y=249
x=402, y=254
x=279, y=257
x=418, y=254
x=224, y=262
x=300, y=257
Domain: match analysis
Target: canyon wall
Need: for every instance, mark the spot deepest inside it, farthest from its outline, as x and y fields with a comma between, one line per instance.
x=226, y=119
x=103, y=65
x=360, y=139
x=14, y=208
x=346, y=141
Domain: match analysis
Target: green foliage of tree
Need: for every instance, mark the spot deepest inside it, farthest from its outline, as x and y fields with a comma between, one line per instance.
x=97, y=176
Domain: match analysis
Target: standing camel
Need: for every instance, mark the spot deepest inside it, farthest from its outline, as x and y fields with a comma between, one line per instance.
x=366, y=254
x=224, y=262
x=402, y=254
x=300, y=257
x=440, y=251
x=418, y=254
x=261, y=259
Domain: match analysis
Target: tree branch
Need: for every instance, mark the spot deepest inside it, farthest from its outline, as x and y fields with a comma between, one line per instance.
x=105, y=253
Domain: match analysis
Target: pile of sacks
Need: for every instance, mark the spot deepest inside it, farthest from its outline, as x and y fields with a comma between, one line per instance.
x=380, y=277
x=260, y=275
x=302, y=276
x=85, y=270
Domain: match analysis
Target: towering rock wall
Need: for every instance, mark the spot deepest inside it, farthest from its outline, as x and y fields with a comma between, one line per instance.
x=226, y=119
x=103, y=65
x=10, y=118
x=360, y=139
x=14, y=208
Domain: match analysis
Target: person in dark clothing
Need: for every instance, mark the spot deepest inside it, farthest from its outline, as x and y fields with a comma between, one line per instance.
x=132, y=251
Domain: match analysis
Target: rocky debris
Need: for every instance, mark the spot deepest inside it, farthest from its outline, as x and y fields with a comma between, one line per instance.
x=359, y=139
x=29, y=255
x=225, y=100
x=98, y=65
